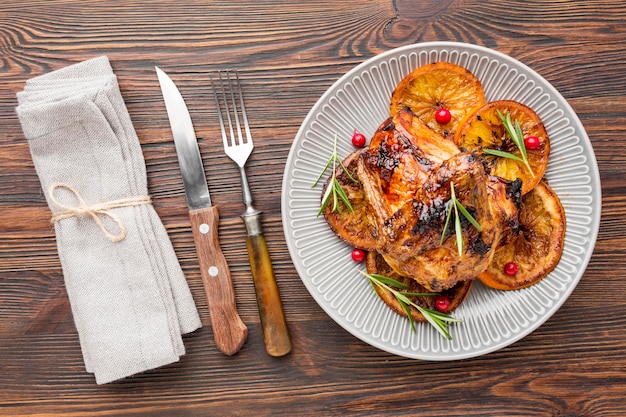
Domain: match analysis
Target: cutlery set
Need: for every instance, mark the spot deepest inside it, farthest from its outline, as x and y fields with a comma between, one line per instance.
x=229, y=331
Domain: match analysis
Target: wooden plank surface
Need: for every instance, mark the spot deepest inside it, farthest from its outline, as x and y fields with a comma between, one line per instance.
x=289, y=53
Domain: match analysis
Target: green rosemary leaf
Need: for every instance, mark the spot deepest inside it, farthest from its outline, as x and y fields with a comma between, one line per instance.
x=458, y=230
x=405, y=307
x=389, y=281
x=335, y=199
x=517, y=136
x=345, y=170
x=319, y=177
x=436, y=322
x=436, y=319
x=371, y=281
x=506, y=121
x=400, y=296
x=445, y=226
x=502, y=154
x=419, y=294
x=442, y=316
x=326, y=199
x=520, y=140
x=334, y=189
x=468, y=216
x=342, y=194
x=458, y=206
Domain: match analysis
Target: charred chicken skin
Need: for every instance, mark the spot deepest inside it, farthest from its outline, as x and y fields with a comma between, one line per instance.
x=404, y=196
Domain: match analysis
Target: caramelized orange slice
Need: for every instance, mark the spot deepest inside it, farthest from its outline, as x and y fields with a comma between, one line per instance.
x=533, y=249
x=432, y=87
x=485, y=130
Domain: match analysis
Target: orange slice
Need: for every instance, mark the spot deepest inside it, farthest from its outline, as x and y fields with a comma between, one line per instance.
x=376, y=264
x=439, y=85
x=484, y=129
x=535, y=247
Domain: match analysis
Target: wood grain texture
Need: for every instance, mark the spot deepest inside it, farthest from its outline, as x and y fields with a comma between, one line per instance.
x=229, y=331
x=288, y=53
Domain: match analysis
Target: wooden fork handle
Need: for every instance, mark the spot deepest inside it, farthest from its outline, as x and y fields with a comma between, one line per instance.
x=229, y=330
x=273, y=322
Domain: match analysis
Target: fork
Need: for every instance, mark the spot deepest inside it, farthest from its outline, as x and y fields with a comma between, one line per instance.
x=230, y=108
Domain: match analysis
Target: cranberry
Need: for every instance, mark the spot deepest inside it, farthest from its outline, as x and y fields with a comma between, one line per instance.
x=532, y=142
x=510, y=268
x=443, y=116
x=358, y=139
x=442, y=303
x=358, y=255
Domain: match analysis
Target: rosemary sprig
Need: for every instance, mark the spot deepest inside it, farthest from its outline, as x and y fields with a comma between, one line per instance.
x=457, y=206
x=436, y=319
x=334, y=191
x=516, y=135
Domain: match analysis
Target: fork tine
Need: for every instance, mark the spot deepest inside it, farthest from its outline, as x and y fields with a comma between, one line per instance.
x=233, y=140
x=231, y=90
x=234, y=110
x=219, y=112
x=232, y=116
x=243, y=109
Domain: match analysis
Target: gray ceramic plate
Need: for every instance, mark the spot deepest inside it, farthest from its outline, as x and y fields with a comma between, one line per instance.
x=492, y=319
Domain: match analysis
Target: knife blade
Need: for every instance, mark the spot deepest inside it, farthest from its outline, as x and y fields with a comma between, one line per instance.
x=229, y=331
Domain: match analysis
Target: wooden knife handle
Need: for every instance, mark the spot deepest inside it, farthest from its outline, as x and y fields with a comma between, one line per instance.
x=275, y=331
x=229, y=330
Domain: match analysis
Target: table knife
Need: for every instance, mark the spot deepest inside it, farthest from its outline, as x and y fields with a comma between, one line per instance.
x=229, y=330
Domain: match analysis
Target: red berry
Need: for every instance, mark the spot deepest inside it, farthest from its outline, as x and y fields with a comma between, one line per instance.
x=532, y=142
x=510, y=268
x=442, y=303
x=443, y=116
x=358, y=139
x=358, y=255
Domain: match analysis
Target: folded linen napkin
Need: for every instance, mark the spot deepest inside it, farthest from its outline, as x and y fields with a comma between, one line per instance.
x=129, y=297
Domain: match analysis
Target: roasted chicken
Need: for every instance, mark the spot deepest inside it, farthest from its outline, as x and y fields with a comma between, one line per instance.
x=403, y=199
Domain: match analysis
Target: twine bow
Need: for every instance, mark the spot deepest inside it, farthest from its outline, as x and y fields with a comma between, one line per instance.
x=96, y=211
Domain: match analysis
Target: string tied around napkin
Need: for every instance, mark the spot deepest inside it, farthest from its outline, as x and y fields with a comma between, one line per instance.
x=95, y=210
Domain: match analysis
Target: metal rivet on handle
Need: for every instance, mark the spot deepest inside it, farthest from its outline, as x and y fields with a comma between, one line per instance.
x=204, y=228
x=213, y=271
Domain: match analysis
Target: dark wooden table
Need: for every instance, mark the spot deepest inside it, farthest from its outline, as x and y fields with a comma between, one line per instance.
x=290, y=52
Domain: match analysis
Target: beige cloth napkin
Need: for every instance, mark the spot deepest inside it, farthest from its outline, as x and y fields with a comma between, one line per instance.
x=129, y=297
